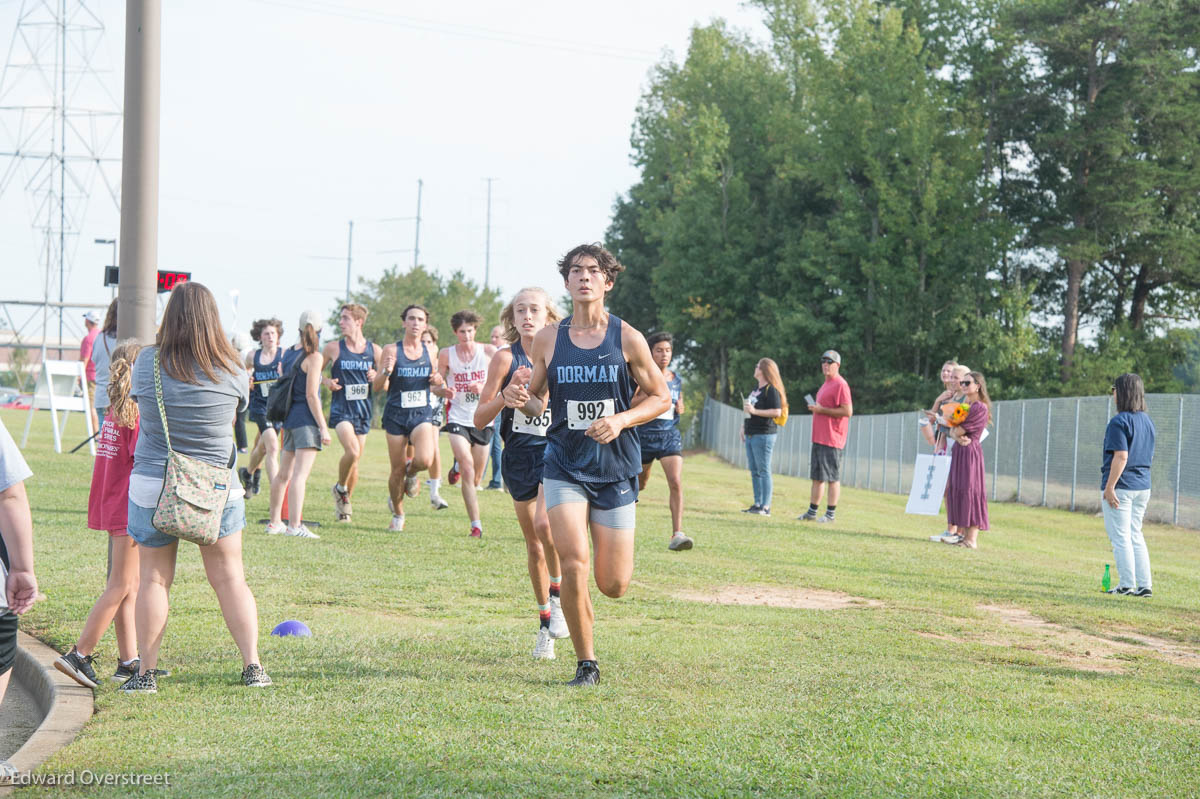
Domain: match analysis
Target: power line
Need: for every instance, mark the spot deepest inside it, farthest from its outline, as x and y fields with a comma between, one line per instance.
x=464, y=31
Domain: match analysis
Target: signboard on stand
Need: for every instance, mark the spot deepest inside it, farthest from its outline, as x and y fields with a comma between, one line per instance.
x=55, y=391
x=929, y=485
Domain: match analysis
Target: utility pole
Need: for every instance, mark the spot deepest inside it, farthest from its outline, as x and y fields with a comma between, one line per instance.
x=138, y=285
x=487, y=251
x=349, y=251
x=62, y=187
x=417, y=240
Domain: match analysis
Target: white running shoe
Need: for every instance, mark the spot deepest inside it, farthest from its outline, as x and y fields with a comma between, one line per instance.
x=544, y=648
x=300, y=532
x=558, y=622
x=275, y=529
x=679, y=542
x=946, y=538
x=397, y=525
x=437, y=502
x=412, y=485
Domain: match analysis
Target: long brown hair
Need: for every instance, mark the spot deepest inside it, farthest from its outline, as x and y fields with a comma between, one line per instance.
x=1131, y=394
x=309, y=339
x=508, y=317
x=983, y=395
x=110, y=320
x=120, y=406
x=190, y=336
x=770, y=371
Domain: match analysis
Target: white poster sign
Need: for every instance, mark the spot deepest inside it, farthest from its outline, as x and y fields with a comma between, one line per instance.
x=60, y=390
x=929, y=484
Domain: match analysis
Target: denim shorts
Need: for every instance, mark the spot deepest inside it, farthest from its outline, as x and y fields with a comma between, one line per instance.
x=141, y=525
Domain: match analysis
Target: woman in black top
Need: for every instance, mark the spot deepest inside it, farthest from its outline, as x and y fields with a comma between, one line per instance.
x=765, y=403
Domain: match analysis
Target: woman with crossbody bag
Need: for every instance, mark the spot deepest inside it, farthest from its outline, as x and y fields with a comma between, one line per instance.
x=196, y=378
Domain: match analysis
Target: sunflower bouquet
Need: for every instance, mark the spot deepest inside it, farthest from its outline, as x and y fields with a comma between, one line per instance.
x=955, y=413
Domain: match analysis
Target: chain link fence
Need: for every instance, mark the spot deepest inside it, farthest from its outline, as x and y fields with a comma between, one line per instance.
x=1038, y=451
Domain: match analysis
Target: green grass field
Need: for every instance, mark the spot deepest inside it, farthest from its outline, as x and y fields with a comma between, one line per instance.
x=418, y=679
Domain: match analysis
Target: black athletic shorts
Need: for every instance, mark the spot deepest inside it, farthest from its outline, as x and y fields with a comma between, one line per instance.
x=478, y=437
x=263, y=424
x=521, y=468
x=8, y=639
x=825, y=463
x=659, y=444
x=361, y=426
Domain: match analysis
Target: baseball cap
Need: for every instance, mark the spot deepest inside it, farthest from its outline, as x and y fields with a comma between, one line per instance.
x=92, y=317
x=832, y=355
x=310, y=318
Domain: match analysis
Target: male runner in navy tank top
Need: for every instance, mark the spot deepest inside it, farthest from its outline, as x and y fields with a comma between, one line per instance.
x=354, y=359
x=524, y=453
x=661, y=440
x=265, y=366
x=589, y=363
x=408, y=376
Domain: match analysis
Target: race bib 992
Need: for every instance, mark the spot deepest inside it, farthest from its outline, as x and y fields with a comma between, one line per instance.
x=581, y=414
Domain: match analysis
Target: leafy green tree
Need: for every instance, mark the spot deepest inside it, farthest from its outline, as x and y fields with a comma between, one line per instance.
x=388, y=296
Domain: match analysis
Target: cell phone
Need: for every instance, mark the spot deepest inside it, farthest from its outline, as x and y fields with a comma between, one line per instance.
x=808, y=400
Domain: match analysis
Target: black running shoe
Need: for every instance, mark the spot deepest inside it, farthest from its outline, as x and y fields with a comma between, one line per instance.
x=751, y=509
x=1142, y=592
x=78, y=667
x=254, y=481
x=1118, y=589
x=586, y=673
x=124, y=672
x=140, y=684
x=244, y=476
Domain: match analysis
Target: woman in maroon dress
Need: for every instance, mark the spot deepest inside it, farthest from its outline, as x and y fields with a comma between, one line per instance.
x=966, y=493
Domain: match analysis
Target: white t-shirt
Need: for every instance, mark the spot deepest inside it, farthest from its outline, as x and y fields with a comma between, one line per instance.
x=463, y=374
x=13, y=470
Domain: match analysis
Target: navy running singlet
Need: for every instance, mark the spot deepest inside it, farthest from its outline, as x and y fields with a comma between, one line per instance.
x=518, y=430
x=300, y=415
x=264, y=375
x=668, y=418
x=408, y=387
x=586, y=385
x=350, y=369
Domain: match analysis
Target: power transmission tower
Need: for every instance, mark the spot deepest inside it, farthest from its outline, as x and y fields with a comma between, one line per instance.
x=60, y=132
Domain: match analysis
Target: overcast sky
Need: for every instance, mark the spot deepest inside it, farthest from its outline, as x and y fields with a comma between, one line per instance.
x=284, y=119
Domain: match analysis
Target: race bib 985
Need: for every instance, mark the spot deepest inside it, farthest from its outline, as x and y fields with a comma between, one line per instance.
x=580, y=415
x=534, y=426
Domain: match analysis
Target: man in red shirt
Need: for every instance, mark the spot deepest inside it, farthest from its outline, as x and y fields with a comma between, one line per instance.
x=92, y=322
x=831, y=423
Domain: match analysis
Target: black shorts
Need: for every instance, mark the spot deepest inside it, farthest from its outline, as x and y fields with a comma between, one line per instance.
x=8, y=639
x=263, y=424
x=659, y=444
x=477, y=437
x=521, y=468
x=361, y=426
x=825, y=463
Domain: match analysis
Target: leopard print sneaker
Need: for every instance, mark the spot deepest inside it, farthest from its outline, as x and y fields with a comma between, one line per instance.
x=254, y=676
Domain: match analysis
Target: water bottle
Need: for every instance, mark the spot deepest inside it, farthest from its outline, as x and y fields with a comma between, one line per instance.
x=1106, y=580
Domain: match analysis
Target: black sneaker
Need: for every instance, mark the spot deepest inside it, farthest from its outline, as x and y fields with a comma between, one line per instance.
x=751, y=509
x=1142, y=592
x=807, y=516
x=254, y=481
x=764, y=511
x=1119, y=589
x=254, y=676
x=124, y=672
x=78, y=667
x=244, y=476
x=586, y=673
x=140, y=684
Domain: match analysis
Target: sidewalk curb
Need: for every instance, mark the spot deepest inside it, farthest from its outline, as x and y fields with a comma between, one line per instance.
x=65, y=705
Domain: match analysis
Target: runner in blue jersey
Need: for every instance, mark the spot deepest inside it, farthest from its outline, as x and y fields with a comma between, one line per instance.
x=408, y=376
x=353, y=359
x=524, y=446
x=589, y=363
x=661, y=440
x=265, y=367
